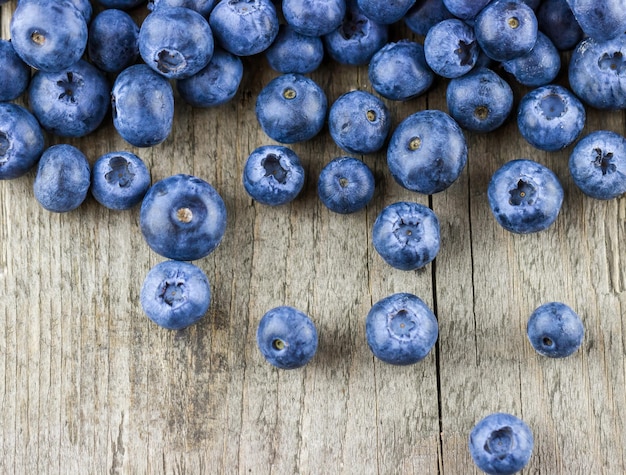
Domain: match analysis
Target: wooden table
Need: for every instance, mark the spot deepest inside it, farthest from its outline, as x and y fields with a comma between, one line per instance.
x=90, y=385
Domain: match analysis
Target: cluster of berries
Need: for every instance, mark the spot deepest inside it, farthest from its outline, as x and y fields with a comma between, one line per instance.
x=62, y=58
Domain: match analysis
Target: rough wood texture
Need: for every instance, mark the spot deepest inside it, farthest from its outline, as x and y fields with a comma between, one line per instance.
x=89, y=385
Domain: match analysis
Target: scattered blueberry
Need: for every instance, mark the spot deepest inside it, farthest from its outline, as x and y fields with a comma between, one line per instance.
x=357, y=39
x=345, y=185
x=501, y=444
x=401, y=329
x=175, y=294
x=480, y=101
x=49, y=35
x=21, y=140
x=597, y=164
x=63, y=178
x=424, y=14
x=525, y=196
x=291, y=108
x=538, y=67
x=72, y=102
x=555, y=330
x=287, y=337
x=273, y=175
x=427, y=152
x=465, y=9
x=113, y=42
x=143, y=106
x=384, y=11
x=293, y=52
x=556, y=19
x=182, y=217
x=406, y=235
x=176, y=42
x=597, y=72
x=359, y=122
x=600, y=20
x=244, y=27
x=215, y=84
x=550, y=117
x=15, y=73
x=450, y=48
x=314, y=17
x=506, y=29
x=399, y=72
x=119, y=180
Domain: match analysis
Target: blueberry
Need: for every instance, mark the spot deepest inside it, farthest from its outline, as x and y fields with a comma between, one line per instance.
x=401, y=329
x=63, y=178
x=357, y=39
x=345, y=185
x=204, y=7
x=465, y=9
x=143, y=106
x=399, y=72
x=15, y=73
x=384, y=11
x=119, y=180
x=314, y=17
x=244, y=27
x=501, y=444
x=597, y=72
x=525, y=196
x=176, y=42
x=450, y=48
x=598, y=164
x=72, y=102
x=287, y=337
x=424, y=14
x=538, y=67
x=113, y=42
x=555, y=330
x=600, y=20
x=215, y=84
x=406, y=235
x=359, y=122
x=550, y=117
x=293, y=52
x=273, y=175
x=175, y=294
x=21, y=140
x=427, y=152
x=556, y=19
x=479, y=101
x=49, y=35
x=182, y=217
x=291, y=108
x=506, y=29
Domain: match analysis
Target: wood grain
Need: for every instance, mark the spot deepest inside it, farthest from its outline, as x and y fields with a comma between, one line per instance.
x=90, y=385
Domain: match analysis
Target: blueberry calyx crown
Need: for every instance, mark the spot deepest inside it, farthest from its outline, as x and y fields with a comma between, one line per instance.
x=119, y=172
x=604, y=161
x=523, y=193
x=615, y=62
x=500, y=442
x=273, y=168
x=69, y=86
x=170, y=61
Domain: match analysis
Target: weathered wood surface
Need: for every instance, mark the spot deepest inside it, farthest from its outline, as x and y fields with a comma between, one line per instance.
x=89, y=385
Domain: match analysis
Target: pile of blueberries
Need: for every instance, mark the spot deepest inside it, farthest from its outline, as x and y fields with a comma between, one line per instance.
x=61, y=55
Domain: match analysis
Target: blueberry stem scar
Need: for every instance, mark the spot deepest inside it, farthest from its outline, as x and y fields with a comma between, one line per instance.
x=184, y=215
